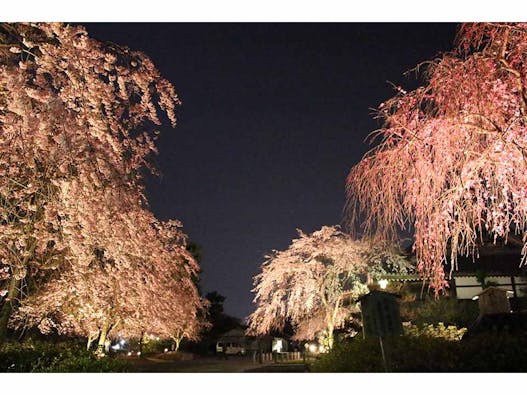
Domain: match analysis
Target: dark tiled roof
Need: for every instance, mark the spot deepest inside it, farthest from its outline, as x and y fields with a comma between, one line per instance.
x=373, y=292
x=491, y=264
x=498, y=259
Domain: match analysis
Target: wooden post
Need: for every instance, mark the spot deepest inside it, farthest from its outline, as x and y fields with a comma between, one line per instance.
x=385, y=363
x=513, y=283
x=141, y=343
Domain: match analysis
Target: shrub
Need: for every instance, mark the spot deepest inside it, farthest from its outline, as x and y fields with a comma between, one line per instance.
x=450, y=311
x=61, y=357
x=493, y=352
x=451, y=332
x=404, y=354
x=356, y=355
x=482, y=353
x=149, y=345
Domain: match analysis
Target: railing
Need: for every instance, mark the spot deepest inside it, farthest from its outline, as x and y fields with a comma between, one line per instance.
x=281, y=357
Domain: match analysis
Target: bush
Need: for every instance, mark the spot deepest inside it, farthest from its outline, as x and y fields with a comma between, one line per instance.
x=352, y=356
x=451, y=311
x=482, y=353
x=491, y=352
x=61, y=357
x=451, y=332
x=404, y=354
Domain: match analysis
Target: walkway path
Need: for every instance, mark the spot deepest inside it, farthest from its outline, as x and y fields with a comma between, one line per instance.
x=210, y=365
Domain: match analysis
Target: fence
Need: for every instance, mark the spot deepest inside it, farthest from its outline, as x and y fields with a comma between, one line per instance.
x=267, y=357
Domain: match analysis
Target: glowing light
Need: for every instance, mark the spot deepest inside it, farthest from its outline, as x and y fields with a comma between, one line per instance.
x=129, y=353
x=277, y=345
x=138, y=353
x=383, y=283
x=313, y=348
x=166, y=349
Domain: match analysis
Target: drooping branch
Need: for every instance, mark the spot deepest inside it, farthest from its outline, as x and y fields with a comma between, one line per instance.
x=461, y=171
x=306, y=283
x=73, y=216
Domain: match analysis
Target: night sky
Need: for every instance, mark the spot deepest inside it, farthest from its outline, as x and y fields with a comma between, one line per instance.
x=273, y=118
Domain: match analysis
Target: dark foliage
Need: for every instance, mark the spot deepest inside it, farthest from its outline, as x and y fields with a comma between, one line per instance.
x=220, y=321
x=431, y=310
x=66, y=357
x=482, y=353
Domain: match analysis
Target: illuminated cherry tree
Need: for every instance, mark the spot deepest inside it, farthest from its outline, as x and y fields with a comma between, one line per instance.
x=172, y=308
x=73, y=215
x=313, y=284
x=451, y=164
x=155, y=295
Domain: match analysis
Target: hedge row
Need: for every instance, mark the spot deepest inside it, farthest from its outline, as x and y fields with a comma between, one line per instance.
x=60, y=357
x=484, y=353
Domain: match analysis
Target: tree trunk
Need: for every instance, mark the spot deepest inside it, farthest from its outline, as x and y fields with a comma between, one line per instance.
x=7, y=308
x=330, y=322
x=330, y=337
x=177, y=341
x=91, y=338
x=102, y=338
x=141, y=343
x=12, y=293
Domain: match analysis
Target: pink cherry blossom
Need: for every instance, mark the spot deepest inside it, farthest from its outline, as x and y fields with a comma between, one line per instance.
x=81, y=251
x=451, y=162
x=314, y=284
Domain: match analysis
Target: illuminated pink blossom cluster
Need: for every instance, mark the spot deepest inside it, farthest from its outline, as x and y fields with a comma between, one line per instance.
x=315, y=282
x=80, y=249
x=451, y=164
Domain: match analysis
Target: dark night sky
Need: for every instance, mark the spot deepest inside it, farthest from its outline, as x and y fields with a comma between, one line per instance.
x=273, y=118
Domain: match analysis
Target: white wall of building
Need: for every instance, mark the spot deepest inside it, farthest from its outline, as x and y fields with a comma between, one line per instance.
x=468, y=287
